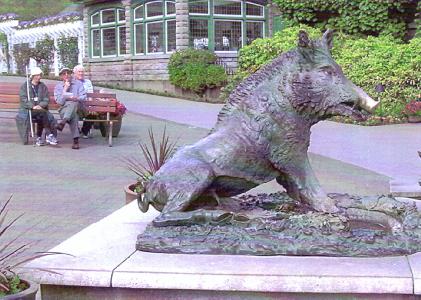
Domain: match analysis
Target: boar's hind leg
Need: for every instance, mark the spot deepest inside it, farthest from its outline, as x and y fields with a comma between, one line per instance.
x=195, y=181
x=302, y=185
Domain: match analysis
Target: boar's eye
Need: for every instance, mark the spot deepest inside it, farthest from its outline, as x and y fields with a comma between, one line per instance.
x=328, y=70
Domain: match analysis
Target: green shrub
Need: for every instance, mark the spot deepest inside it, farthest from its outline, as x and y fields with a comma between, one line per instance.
x=372, y=61
x=262, y=51
x=195, y=70
x=366, y=61
x=68, y=51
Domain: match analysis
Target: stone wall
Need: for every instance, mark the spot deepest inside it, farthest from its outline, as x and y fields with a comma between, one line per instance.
x=146, y=72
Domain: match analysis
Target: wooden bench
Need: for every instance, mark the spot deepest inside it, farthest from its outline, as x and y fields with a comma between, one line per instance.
x=97, y=104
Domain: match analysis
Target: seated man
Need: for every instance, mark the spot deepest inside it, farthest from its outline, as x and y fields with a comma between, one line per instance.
x=37, y=105
x=79, y=74
x=70, y=94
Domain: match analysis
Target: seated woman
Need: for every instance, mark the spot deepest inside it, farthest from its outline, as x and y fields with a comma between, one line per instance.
x=36, y=103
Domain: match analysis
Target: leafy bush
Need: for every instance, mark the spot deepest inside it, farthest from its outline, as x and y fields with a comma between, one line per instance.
x=352, y=16
x=22, y=54
x=262, y=51
x=366, y=61
x=372, y=61
x=68, y=51
x=43, y=53
x=195, y=70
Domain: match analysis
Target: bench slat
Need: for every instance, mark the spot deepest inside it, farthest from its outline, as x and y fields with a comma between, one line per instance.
x=100, y=95
x=9, y=105
x=101, y=109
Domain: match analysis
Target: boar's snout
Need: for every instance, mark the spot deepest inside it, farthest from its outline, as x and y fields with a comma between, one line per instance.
x=365, y=101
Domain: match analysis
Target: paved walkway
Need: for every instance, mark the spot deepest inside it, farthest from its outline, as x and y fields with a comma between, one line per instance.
x=61, y=191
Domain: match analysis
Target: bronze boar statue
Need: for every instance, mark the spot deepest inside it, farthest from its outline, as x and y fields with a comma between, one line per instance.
x=262, y=133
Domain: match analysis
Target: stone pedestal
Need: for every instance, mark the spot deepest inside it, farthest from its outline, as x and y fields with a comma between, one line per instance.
x=106, y=266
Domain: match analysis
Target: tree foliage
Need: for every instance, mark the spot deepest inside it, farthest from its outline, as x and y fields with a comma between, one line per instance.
x=32, y=9
x=43, y=54
x=68, y=51
x=352, y=16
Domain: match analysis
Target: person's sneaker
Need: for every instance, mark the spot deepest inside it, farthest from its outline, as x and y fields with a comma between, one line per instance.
x=40, y=142
x=84, y=136
x=51, y=139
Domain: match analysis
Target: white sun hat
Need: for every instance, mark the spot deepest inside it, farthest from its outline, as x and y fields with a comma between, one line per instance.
x=35, y=71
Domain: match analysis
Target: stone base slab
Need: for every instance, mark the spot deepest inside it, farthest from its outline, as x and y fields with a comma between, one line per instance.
x=105, y=265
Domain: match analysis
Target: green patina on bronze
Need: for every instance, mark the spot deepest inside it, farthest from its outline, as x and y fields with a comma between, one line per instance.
x=276, y=224
x=263, y=133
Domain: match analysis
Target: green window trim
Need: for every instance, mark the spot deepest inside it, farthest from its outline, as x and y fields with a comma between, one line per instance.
x=156, y=44
x=98, y=27
x=213, y=19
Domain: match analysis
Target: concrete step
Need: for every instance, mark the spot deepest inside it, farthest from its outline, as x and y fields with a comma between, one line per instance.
x=409, y=187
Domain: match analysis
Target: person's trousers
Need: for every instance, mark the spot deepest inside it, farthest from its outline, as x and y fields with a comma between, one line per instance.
x=40, y=117
x=69, y=112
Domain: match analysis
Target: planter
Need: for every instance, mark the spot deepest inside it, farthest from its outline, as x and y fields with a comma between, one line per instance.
x=28, y=294
x=130, y=194
x=103, y=127
x=414, y=119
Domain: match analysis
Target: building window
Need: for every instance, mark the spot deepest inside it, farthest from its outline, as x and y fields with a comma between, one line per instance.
x=138, y=13
x=139, y=48
x=254, y=31
x=199, y=37
x=235, y=24
x=155, y=33
x=171, y=36
x=199, y=7
x=170, y=8
x=154, y=9
x=254, y=10
x=228, y=35
x=154, y=27
x=227, y=8
x=108, y=33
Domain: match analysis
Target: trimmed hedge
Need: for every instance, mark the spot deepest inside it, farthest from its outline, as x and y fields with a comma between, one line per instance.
x=195, y=70
x=366, y=61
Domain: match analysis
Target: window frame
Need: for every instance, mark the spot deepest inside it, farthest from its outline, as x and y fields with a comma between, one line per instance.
x=243, y=18
x=163, y=18
x=251, y=16
x=201, y=14
x=242, y=35
x=154, y=17
x=242, y=7
x=162, y=41
x=104, y=26
x=166, y=9
x=166, y=35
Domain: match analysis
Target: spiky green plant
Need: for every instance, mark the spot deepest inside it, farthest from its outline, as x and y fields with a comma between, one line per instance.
x=13, y=255
x=155, y=154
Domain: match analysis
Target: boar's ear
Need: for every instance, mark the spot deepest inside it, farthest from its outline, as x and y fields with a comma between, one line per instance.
x=328, y=38
x=303, y=39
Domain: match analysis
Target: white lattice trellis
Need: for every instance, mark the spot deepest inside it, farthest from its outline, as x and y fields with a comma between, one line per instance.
x=28, y=33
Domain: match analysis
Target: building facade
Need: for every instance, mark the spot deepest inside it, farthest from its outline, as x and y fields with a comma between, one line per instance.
x=129, y=42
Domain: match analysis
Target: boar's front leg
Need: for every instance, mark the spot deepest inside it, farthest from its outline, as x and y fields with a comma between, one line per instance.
x=302, y=185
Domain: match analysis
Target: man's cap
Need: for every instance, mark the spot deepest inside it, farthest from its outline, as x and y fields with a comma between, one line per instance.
x=35, y=71
x=65, y=70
